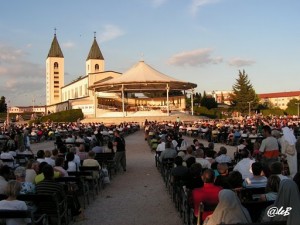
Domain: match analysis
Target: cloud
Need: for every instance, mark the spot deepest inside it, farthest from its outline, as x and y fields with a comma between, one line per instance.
x=68, y=45
x=239, y=62
x=196, y=4
x=110, y=32
x=195, y=58
x=19, y=76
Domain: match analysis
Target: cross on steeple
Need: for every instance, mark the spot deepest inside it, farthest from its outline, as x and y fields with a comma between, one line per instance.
x=94, y=34
x=54, y=31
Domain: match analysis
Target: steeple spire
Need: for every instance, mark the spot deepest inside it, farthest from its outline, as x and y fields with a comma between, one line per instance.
x=55, y=50
x=95, y=52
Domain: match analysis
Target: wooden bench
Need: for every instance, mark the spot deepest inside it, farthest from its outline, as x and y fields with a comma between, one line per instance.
x=23, y=214
x=77, y=182
x=106, y=160
x=56, y=210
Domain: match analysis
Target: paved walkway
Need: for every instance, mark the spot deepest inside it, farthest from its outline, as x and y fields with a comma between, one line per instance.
x=135, y=197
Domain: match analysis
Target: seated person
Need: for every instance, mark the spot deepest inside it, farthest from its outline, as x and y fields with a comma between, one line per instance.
x=229, y=210
x=180, y=172
x=26, y=187
x=206, y=194
x=70, y=164
x=256, y=180
x=40, y=177
x=48, y=158
x=276, y=168
x=50, y=186
x=194, y=179
x=7, y=155
x=244, y=166
x=200, y=159
x=90, y=161
x=189, y=153
x=4, y=177
x=12, y=191
x=32, y=168
x=59, y=167
x=235, y=180
x=40, y=156
x=168, y=152
x=222, y=179
x=271, y=189
x=223, y=158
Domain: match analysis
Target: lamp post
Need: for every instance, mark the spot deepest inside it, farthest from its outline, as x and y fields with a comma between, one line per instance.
x=249, y=108
x=192, y=101
x=298, y=103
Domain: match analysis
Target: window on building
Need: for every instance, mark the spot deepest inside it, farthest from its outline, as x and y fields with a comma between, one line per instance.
x=56, y=72
x=76, y=92
x=80, y=91
x=56, y=65
x=85, y=89
x=97, y=67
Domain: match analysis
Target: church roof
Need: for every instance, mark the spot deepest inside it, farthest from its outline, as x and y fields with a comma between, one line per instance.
x=95, y=52
x=142, y=77
x=55, y=50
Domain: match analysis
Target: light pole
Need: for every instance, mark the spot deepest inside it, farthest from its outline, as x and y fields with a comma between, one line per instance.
x=192, y=101
x=249, y=108
x=298, y=103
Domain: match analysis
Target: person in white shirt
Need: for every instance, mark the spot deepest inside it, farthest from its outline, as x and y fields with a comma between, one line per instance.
x=200, y=159
x=48, y=158
x=244, y=166
x=161, y=146
x=13, y=189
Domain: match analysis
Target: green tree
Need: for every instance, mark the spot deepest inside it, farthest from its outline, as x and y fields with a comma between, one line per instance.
x=243, y=94
x=292, y=106
x=3, y=105
x=208, y=101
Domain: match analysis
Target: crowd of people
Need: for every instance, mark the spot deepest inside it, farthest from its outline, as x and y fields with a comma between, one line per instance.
x=265, y=158
x=76, y=145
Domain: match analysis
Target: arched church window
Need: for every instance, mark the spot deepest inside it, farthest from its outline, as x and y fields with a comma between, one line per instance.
x=97, y=67
x=56, y=65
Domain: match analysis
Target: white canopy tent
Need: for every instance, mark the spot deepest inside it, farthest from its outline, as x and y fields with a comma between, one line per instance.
x=142, y=77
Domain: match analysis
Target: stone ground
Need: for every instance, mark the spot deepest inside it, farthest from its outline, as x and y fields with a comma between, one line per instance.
x=137, y=196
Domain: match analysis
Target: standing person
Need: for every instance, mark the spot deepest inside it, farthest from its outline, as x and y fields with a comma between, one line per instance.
x=269, y=147
x=120, y=155
x=288, y=148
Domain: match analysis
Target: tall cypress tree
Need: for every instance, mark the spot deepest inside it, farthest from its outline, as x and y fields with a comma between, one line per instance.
x=243, y=94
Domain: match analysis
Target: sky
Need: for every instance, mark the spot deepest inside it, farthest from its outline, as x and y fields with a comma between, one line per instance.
x=205, y=42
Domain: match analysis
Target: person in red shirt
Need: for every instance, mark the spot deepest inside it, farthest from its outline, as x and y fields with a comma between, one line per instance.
x=207, y=194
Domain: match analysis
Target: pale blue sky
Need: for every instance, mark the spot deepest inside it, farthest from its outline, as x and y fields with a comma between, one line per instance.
x=201, y=41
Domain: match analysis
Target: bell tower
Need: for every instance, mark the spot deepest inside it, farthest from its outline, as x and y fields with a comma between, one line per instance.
x=95, y=61
x=55, y=64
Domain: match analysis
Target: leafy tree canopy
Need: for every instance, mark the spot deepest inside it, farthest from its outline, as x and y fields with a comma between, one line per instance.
x=243, y=94
x=3, y=105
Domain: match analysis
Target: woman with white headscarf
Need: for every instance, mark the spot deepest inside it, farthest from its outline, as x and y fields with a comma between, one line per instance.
x=229, y=210
x=288, y=148
x=287, y=205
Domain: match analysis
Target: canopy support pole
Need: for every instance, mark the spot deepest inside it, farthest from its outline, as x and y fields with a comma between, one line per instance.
x=95, y=104
x=168, y=109
x=192, y=101
x=123, y=105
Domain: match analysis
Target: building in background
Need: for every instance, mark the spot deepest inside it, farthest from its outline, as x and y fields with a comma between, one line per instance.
x=279, y=99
